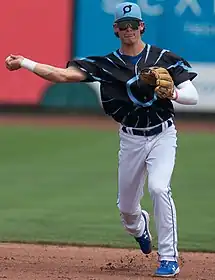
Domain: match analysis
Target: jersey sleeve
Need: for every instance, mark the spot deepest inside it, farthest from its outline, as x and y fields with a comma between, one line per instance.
x=179, y=69
x=89, y=66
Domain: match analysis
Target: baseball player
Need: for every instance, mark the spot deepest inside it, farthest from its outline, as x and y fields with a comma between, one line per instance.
x=139, y=83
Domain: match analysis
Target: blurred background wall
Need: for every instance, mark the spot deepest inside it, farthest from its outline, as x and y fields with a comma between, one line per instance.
x=40, y=30
x=56, y=31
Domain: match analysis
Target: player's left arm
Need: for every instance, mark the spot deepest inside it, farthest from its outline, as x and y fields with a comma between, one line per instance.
x=182, y=74
x=186, y=93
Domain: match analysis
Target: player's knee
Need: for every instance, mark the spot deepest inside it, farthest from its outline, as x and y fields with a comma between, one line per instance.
x=156, y=187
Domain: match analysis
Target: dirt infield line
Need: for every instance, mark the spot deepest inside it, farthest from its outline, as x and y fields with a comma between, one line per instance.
x=45, y=262
x=103, y=123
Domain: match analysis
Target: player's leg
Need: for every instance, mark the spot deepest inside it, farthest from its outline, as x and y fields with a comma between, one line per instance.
x=160, y=165
x=131, y=178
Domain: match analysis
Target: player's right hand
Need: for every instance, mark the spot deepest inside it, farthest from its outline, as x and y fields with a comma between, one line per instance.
x=13, y=62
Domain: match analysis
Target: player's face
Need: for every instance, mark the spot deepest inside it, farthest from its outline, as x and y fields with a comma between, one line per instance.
x=129, y=32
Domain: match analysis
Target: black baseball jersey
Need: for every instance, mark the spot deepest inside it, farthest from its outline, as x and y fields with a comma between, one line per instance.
x=126, y=98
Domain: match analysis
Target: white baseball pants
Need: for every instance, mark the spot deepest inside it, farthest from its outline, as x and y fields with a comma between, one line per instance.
x=153, y=157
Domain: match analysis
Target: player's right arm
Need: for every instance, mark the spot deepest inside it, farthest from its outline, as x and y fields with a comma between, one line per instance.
x=45, y=71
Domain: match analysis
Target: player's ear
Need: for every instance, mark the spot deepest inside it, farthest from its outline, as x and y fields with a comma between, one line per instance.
x=115, y=28
x=142, y=27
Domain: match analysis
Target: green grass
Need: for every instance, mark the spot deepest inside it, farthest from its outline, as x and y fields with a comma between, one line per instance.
x=60, y=185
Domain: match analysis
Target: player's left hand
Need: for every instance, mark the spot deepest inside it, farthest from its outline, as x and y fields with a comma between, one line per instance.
x=13, y=62
x=160, y=78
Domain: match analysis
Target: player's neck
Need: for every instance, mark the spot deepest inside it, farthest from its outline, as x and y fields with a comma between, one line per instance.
x=132, y=50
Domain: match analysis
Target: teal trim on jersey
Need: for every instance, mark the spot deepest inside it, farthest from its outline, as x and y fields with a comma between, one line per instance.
x=119, y=57
x=180, y=64
x=133, y=99
x=133, y=59
x=87, y=59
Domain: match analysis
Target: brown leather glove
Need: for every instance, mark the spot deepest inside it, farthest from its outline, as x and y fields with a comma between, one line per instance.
x=160, y=78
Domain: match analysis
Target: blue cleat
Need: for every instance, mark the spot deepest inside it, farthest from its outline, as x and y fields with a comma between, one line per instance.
x=167, y=269
x=145, y=241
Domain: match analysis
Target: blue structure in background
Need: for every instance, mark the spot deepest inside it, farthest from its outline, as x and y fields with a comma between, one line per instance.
x=188, y=29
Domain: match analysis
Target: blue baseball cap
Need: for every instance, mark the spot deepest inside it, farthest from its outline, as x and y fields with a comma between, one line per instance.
x=127, y=11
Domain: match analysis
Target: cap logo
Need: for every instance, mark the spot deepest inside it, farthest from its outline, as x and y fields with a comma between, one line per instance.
x=127, y=9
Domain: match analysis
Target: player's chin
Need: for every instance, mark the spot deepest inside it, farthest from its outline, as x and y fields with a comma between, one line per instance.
x=130, y=40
